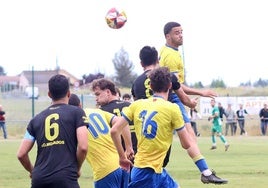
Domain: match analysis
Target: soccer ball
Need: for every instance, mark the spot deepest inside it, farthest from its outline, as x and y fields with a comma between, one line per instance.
x=115, y=19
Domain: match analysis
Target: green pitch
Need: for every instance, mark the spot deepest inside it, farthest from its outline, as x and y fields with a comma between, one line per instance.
x=244, y=165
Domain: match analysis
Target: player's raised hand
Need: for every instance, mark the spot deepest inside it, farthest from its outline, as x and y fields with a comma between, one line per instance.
x=194, y=102
x=209, y=93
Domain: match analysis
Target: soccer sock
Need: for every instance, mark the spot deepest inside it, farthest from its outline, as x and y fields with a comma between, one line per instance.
x=201, y=163
x=213, y=139
x=222, y=139
x=207, y=172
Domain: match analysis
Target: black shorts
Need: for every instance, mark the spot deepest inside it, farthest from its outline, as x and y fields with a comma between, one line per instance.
x=56, y=184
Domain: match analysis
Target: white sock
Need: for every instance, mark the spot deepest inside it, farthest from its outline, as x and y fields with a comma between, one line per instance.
x=207, y=172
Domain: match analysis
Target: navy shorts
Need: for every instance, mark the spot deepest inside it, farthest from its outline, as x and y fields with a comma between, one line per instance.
x=147, y=178
x=175, y=99
x=112, y=180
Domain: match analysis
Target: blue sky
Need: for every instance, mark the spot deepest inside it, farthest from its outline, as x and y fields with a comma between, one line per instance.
x=223, y=39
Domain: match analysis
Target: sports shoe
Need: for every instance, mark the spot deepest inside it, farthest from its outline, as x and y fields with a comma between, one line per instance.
x=213, y=179
x=213, y=147
x=227, y=146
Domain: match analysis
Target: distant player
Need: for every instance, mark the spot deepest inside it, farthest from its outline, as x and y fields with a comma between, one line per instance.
x=217, y=126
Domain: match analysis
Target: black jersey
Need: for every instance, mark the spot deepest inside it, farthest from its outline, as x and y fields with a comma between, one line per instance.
x=141, y=87
x=54, y=130
x=116, y=107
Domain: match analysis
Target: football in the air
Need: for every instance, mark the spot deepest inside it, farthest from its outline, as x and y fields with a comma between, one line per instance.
x=115, y=19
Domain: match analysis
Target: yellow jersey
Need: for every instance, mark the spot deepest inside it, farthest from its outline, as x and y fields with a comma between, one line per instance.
x=154, y=119
x=102, y=154
x=171, y=58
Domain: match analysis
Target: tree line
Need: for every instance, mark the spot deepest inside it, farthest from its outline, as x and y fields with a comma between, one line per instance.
x=124, y=75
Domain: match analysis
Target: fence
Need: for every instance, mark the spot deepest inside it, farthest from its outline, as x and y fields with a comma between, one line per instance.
x=252, y=126
x=16, y=128
x=19, y=112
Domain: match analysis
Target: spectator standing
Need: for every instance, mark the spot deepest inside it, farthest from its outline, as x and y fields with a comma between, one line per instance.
x=221, y=110
x=3, y=122
x=60, y=132
x=230, y=120
x=241, y=113
x=194, y=115
x=264, y=119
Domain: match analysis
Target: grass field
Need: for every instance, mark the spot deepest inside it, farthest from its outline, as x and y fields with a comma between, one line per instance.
x=244, y=165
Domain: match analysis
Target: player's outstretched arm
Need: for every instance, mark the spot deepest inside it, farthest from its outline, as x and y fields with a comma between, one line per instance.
x=186, y=100
x=203, y=93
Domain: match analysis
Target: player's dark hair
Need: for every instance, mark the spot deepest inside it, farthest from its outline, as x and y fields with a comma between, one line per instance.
x=160, y=79
x=74, y=100
x=103, y=84
x=126, y=95
x=58, y=86
x=118, y=91
x=148, y=56
x=168, y=27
